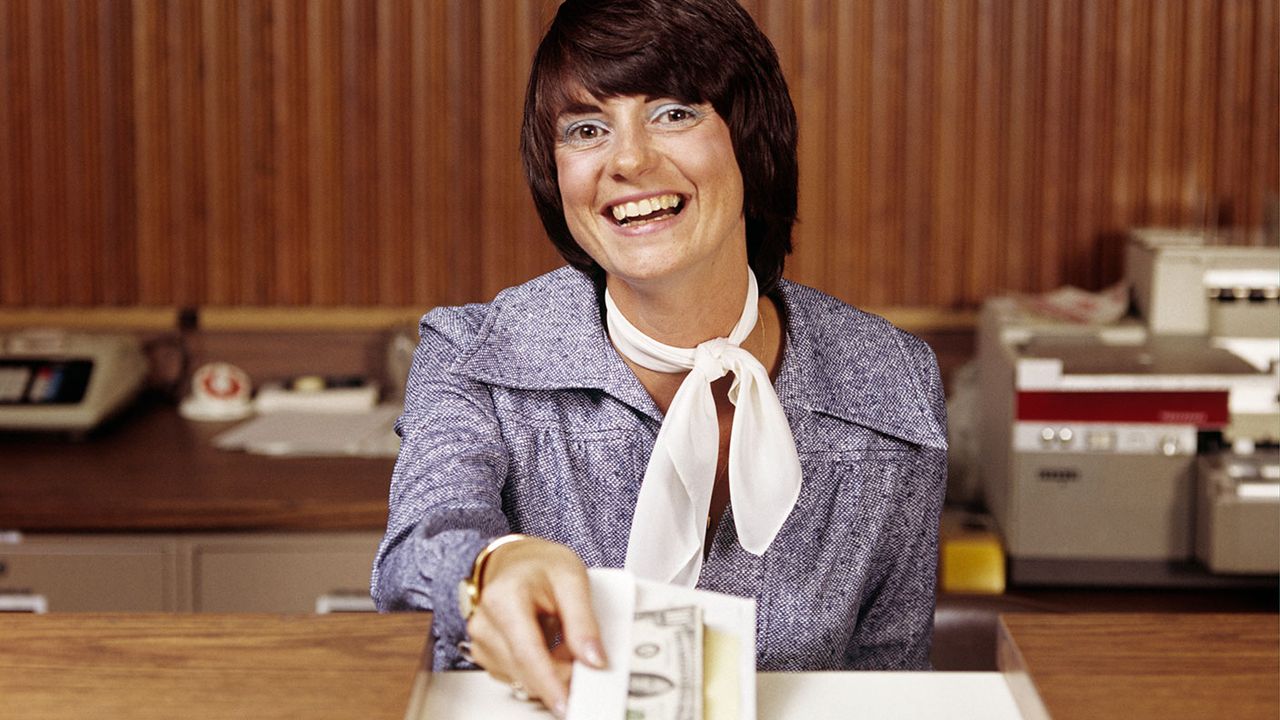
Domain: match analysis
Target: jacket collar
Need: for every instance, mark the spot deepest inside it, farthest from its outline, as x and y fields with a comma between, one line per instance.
x=548, y=334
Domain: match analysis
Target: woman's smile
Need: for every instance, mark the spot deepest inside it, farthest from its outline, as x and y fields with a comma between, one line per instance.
x=633, y=213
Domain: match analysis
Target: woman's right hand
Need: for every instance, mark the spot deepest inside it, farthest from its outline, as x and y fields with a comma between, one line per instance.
x=535, y=593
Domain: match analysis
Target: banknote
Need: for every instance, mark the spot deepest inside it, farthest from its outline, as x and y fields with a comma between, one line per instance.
x=665, y=681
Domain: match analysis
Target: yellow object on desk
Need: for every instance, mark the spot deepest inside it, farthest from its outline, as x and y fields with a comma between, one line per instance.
x=971, y=556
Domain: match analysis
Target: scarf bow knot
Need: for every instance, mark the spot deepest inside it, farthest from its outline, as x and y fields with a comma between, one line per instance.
x=668, y=528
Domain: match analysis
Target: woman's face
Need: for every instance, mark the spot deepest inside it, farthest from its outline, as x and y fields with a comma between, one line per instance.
x=651, y=189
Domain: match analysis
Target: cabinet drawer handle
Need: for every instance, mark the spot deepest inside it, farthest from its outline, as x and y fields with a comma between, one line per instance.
x=348, y=601
x=23, y=603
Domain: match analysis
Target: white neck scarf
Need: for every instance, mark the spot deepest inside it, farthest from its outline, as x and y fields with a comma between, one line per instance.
x=669, y=527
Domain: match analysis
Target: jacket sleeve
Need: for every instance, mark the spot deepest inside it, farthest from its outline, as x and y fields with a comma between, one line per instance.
x=895, y=623
x=446, y=489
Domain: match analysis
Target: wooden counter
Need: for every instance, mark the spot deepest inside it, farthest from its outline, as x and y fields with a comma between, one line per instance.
x=1135, y=666
x=209, y=666
x=1165, y=666
x=151, y=470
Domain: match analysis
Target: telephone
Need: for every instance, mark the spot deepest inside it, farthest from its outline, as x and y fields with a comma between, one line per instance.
x=64, y=381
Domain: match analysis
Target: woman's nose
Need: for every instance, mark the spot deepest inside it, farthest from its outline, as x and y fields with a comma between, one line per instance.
x=633, y=153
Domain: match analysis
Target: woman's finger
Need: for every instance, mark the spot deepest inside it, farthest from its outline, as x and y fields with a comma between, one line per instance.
x=531, y=661
x=489, y=648
x=578, y=619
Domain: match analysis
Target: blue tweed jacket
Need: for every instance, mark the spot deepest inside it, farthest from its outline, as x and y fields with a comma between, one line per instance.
x=520, y=417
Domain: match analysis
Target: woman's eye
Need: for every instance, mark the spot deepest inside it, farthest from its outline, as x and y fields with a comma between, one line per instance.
x=677, y=115
x=582, y=133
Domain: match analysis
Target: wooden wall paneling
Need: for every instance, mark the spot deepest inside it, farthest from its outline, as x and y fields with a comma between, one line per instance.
x=917, y=159
x=511, y=249
x=48, y=136
x=76, y=245
x=255, y=245
x=393, y=153
x=217, y=93
x=1018, y=149
x=149, y=86
x=324, y=151
x=1132, y=89
x=815, y=143
x=948, y=239
x=887, y=104
x=95, y=96
x=117, y=185
x=289, y=196
x=849, y=262
x=1198, y=118
x=1227, y=89
x=984, y=235
x=1167, y=30
x=497, y=40
x=1055, y=138
x=1234, y=112
x=13, y=183
x=461, y=236
x=426, y=148
x=1264, y=157
x=359, y=159
x=340, y=152
x=1093, y=144
x=186, y=171
x=429, y=147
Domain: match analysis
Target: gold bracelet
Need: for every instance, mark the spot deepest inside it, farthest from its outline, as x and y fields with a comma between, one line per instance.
x=470, y=588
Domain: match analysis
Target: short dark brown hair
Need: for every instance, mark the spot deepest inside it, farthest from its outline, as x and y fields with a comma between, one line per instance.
x=692, y=50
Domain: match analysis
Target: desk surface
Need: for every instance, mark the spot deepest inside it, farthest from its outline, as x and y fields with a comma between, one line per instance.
x=360, y=665
x=209, y=666
x=1135, y=666
x=151, y=470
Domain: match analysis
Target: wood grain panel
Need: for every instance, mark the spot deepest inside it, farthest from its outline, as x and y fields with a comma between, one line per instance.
x=1144, y=666
x=201, y=666
x=353, y=153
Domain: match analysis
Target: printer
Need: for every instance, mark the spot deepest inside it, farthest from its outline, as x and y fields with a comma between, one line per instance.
x=1145, y=451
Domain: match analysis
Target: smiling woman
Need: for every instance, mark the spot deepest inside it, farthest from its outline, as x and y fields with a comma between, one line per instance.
x=668, y=404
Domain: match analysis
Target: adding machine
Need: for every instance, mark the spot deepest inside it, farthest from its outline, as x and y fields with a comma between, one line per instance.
x=1143, y=452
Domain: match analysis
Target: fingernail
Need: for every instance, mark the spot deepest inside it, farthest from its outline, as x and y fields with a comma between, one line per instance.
x=560, y=709
x=594, y=653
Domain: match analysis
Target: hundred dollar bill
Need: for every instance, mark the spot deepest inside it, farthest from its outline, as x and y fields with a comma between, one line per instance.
x=666, y=665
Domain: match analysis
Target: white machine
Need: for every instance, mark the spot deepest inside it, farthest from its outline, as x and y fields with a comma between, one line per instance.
x=59, y=381
x=1106, y=449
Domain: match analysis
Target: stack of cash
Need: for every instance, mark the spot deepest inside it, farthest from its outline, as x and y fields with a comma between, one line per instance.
x=675, y=654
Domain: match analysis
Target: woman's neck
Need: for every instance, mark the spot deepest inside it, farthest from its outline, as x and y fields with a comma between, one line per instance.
x=682, y=314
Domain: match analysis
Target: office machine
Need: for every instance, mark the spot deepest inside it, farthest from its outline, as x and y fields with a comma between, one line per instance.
x=60, y=381
x=1108, y=450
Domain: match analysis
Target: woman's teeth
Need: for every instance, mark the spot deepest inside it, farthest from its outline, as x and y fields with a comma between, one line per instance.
x=646, y=210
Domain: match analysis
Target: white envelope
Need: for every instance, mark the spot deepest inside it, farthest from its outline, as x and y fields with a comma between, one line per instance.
x=616, y=596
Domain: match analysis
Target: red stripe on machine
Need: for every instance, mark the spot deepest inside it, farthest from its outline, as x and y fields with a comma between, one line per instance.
x=1200, y=408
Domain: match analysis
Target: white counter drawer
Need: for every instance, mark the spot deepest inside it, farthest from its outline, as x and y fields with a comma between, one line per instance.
x=92, y=574
x=280, y=573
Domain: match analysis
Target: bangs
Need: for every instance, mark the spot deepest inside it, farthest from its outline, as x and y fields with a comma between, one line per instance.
x=605, y=66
